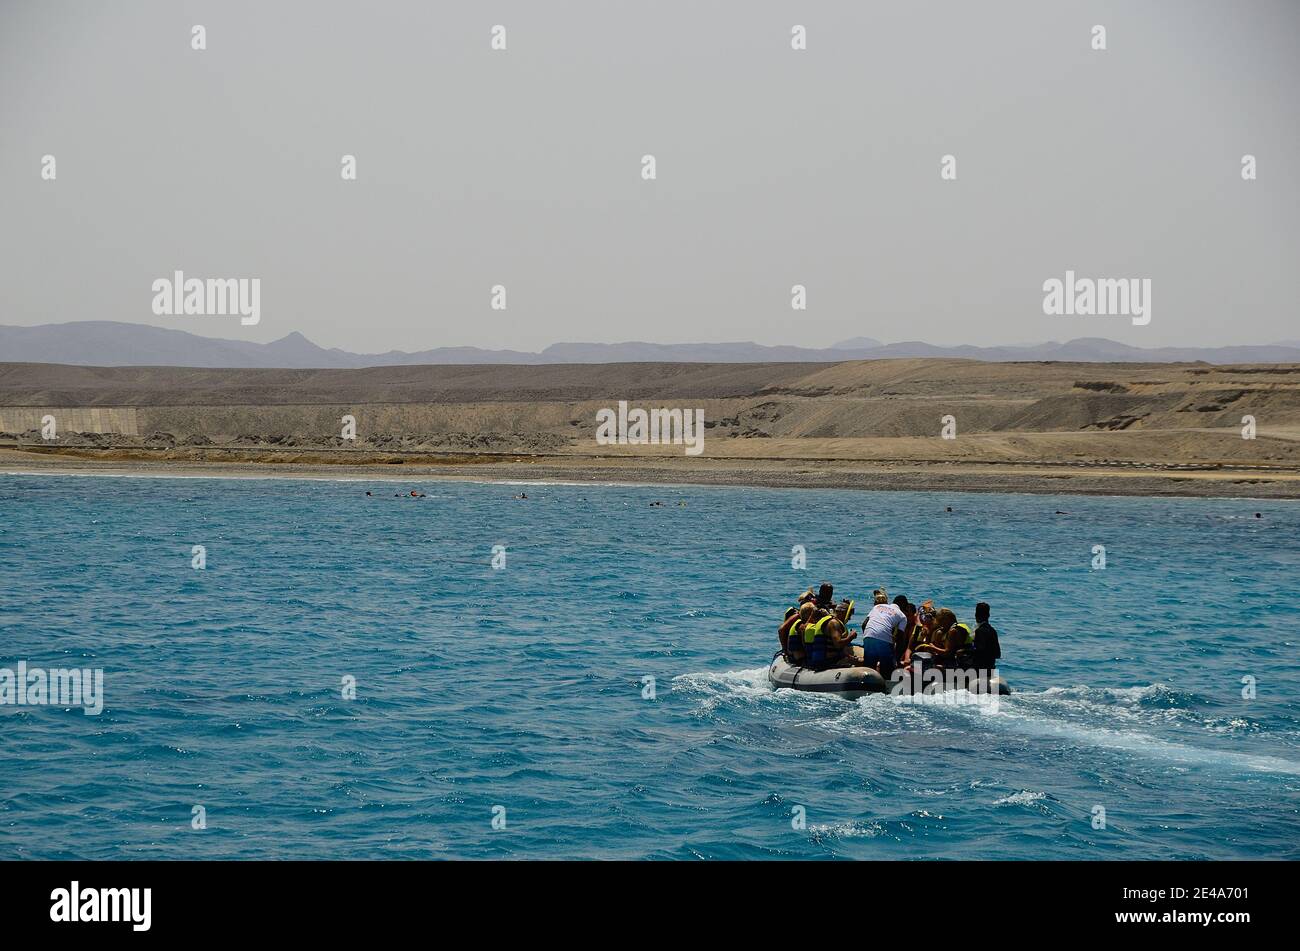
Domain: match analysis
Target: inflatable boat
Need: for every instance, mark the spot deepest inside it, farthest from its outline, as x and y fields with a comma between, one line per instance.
x=854, y=682
x=849, y=682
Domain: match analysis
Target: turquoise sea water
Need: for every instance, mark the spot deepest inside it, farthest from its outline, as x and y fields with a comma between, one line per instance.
x=524, y=688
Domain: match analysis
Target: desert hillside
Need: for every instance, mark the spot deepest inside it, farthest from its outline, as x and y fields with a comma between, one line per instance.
x=791, y=417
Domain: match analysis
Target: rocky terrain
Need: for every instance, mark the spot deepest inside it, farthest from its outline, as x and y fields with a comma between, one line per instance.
x=1038, y=426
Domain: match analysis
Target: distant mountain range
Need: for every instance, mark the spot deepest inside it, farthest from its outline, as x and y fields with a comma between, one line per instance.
x=112, y=343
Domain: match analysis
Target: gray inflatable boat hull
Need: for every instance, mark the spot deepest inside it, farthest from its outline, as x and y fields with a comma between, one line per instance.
x=848, y=682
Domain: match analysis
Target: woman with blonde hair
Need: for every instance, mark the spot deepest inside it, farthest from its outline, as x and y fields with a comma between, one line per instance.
x=948, y=637
x=883, y=623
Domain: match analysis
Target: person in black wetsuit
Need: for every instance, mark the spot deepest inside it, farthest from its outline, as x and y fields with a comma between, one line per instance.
x=986, y=650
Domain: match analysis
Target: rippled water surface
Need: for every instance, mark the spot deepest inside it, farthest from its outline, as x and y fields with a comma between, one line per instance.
x=523, y=688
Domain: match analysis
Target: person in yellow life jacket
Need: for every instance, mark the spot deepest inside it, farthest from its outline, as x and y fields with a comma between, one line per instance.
x=903, y=637
x=846, y=653
x=935, y=641
x=791, y=631
x=827, y=644
x=848, y=650
x=816, y=642
x=960, y=642
x=817, y=639
x=923, y=631
x=949, y=639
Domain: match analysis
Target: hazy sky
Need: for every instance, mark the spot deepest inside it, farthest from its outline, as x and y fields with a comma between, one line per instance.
x=775, y=167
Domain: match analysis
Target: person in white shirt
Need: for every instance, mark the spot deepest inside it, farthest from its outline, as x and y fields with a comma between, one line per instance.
x=878, y=633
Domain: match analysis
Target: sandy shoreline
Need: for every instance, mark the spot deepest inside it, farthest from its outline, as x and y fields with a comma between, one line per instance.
x=954, y=477
x=1042, y=428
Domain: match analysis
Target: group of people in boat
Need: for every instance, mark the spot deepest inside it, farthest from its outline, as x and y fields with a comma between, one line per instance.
x=816, y=634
